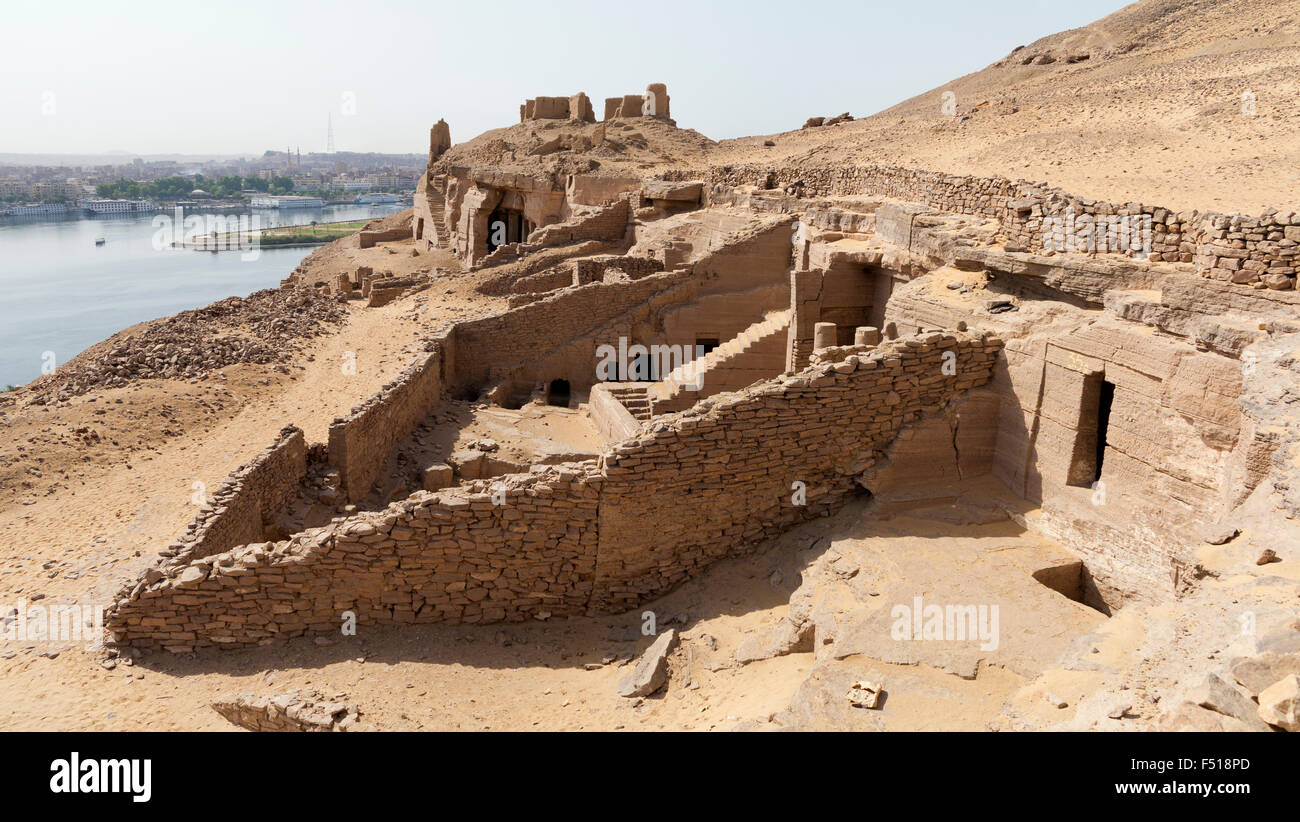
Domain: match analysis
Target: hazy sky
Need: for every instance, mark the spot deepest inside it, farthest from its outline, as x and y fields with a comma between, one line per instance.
x=241, y=77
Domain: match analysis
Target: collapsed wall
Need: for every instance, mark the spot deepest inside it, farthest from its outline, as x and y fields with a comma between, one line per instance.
x=563, y=540
x=607, y=223
x=241, y=510
x=433, y=557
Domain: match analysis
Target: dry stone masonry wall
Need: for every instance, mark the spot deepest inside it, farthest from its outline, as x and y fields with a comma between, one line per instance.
x=1257, y=252
x=530, y=330
x=561, y=540
x=448, y=556
x=723, y=474
x=360, y=442
x=236, y=513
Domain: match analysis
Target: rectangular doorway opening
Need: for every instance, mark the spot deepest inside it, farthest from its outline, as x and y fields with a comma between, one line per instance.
x=1104, y=402
x=1095, y=402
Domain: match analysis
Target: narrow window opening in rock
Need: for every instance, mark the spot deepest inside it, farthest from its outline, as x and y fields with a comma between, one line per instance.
x=558, y=393
x=1105, y=399
x=1089, y=448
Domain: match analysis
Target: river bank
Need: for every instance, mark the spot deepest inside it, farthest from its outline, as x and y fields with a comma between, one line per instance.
x=63, y=293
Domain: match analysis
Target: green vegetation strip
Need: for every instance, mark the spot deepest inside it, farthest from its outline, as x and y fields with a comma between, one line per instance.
x=291, y=234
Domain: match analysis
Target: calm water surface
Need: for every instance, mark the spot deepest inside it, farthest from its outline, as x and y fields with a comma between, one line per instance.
x=60, y=293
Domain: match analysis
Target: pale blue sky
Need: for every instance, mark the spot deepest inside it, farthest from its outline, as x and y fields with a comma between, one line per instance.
x=236, y=77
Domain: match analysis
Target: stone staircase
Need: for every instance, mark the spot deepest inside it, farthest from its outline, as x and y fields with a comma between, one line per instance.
x=438, y=209
x=690, y=382
x=635, y=397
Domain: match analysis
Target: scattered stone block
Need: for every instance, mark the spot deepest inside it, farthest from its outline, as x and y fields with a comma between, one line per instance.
x=865, y=694
x=305, y=710
x=1279, y=704
x=438, y=476
x=651, y=671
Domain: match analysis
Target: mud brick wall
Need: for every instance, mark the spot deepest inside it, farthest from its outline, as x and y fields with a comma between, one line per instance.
x=1254, y=252
x=510, y=338
x=449, y=556
x=720, y=475
x=236, y=512
x=360, y=442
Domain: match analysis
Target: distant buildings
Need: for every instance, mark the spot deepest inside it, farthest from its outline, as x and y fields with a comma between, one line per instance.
x=397, y=181
x=277, y=201
x=40, y=189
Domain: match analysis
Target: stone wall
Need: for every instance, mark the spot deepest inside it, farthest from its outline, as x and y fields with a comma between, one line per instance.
x=361, y=442
x=608, y=222
x=602, y=535
x=583, y=271
x=1255, y=252
x=238, y=512
x=528, y=332
x=593, y=269
x=368, y=239
x=575, y=360
x=305, y=710
x=723, y=474
x=560, y=276
x=447, y=556
x=611, y=418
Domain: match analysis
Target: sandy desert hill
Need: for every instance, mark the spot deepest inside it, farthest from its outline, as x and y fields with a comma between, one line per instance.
x=1149, y=104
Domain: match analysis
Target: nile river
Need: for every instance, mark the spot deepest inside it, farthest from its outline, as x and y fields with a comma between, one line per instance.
x=60, y=293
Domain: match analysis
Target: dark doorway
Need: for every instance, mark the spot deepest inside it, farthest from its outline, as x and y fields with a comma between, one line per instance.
x=1090, y=439
x=1105, y=400
x=703, y=345
x=505, y=226
x=558, y=393
x=641, y=369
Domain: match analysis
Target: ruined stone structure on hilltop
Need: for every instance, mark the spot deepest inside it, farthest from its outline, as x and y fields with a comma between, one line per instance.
x=860, y=331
